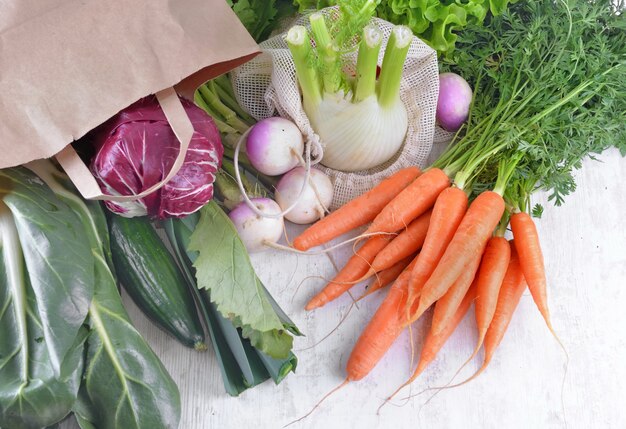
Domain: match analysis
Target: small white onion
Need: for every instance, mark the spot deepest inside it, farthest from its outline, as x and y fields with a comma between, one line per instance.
x=273, y=146
x=309, y=207
x=254, y=230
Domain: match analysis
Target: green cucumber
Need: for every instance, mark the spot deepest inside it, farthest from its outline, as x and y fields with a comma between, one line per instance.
x=151, y=277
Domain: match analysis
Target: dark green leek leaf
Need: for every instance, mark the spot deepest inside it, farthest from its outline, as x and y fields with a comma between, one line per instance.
x=288, y=324
x=31, y=394
x=279, y=368
x=58, y=258
x=221, y=330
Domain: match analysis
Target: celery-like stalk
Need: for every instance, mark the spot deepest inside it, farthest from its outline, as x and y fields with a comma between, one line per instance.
x=228, y=99
x=393, y=63
x=216, y=105
x=327, y=52
x=367, y=62
x=222, y=126
x=300, y=47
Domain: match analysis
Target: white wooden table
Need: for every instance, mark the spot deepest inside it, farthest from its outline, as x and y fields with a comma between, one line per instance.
x=584, y=243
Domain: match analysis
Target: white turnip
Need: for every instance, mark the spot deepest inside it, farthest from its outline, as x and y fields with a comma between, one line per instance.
x=311, y=203
x=256, y=231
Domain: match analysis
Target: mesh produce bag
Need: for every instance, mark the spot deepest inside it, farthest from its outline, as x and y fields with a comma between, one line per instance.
x=267, y=86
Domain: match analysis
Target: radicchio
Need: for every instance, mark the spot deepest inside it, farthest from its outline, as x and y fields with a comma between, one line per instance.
x=136, y=149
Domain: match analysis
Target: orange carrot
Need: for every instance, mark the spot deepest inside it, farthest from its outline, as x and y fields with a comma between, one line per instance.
x=469, y=240
x=413, y=201
x=350, y=274
x=447, y=214
x=434, y=343
x=404, y=244
x=531, y=260
x=510, y=294
x=389, y=275
x=381, y=332
x=493, y=268
x=357, y=212
x=446, y=307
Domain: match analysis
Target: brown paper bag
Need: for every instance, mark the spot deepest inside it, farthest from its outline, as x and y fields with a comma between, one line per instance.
x=66, y=66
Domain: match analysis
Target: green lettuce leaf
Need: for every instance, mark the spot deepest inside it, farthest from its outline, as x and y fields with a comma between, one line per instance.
x=436, y=22
x=58, y=258
x=444, y=20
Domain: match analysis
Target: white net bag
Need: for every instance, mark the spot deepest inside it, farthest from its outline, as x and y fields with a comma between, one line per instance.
x=267, y=86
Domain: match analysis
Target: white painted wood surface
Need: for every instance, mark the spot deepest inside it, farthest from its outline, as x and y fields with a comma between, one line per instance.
x=585, y=249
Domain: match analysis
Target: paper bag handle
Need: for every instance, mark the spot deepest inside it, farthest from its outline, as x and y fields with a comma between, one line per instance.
x=86, y=184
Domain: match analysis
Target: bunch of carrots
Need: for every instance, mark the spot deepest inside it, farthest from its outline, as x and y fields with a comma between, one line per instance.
x=539, y=108
x=438, y=250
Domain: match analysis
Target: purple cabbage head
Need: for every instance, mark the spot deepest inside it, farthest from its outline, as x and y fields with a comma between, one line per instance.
x=136, y=149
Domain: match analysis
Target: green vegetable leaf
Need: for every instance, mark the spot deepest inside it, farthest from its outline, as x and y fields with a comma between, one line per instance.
x=127, y=385
x=32, y=393
x=222, y=331
x=435, y=22
x=497, y=7
x=261, y=16
x=279, y=369
x=223, y=267
x=548, y=82
x=58, y=258
x=124, y=384
x=444, y=20
x=276, y=343
x=537, y=211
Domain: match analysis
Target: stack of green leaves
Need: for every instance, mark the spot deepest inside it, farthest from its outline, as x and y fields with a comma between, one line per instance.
x=67, y=343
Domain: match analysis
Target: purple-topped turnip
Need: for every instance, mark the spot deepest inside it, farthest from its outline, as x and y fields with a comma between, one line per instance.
x=455, y=98
x=274, y=146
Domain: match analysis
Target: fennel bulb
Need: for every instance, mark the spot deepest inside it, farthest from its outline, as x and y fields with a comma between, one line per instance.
x=361, y=120
x=358, y=136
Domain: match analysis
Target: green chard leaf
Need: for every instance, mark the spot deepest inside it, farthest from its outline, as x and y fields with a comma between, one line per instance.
x=32, y=393
x=223, y=267
x=124, y=385
x=58, y=259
